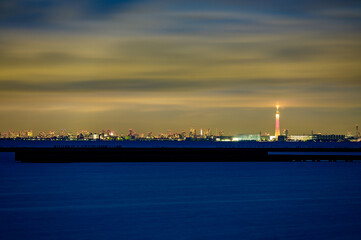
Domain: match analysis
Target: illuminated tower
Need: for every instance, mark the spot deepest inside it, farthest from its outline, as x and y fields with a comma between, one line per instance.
x=277, y=132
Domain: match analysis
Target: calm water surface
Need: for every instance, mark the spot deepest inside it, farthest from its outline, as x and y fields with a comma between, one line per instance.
x=180, y=200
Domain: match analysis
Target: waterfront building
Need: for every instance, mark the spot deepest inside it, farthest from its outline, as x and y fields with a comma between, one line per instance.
x=282, y=138
x=328, y=138
x=247, y=137
x=299, y=138
x=224, y=138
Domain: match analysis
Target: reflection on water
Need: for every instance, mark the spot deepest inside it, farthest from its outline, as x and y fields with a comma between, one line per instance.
x=180, y=200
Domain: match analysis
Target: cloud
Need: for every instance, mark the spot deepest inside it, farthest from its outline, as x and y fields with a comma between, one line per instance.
x=146, y=85
x=180, y=56
x=138, y=85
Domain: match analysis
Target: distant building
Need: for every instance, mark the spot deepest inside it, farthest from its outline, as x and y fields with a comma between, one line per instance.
x=298, y=138
x=95, y=136
x=247, y=137
x=29, y=134
x=282, y=138
x=150, y=135
x=208, y=132
x=224, y=138
x=192, y=133
x=328, y=138
x=265, y=138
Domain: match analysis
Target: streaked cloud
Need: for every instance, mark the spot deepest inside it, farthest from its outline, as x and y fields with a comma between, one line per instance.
x=180, y=56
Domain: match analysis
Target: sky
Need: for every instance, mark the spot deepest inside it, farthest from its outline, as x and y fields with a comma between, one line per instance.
x=159, y=65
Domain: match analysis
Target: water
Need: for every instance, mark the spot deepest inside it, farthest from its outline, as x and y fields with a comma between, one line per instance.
x=180, y=200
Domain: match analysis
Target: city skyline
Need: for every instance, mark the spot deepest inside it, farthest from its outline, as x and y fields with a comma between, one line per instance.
x=277, y=130
x=154, y=65
x=181, y=134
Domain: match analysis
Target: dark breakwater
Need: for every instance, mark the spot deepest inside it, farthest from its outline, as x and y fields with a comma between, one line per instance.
x=179, y=151
x=181, y=154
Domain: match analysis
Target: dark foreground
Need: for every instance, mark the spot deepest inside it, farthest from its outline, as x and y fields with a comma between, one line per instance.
x=182, y=154
x=243, y=200
x=179, y=151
